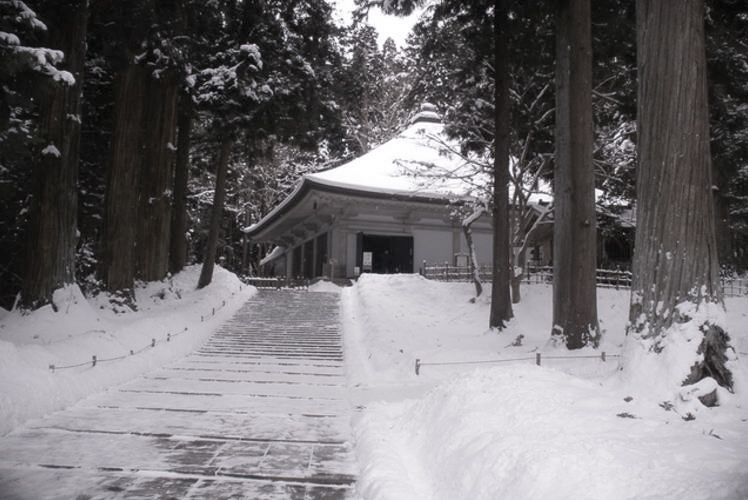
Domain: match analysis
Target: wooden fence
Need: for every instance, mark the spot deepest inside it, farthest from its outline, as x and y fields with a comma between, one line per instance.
x=606, y=278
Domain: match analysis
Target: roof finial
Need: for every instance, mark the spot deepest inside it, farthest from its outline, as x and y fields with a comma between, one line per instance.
x=427, y=114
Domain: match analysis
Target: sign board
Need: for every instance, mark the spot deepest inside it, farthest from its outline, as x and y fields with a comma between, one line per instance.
x=461, y=260
x=367, y=260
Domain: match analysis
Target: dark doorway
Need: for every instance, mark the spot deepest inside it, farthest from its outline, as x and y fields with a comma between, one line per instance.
x=388, y=254
x=321, y=256
x=308, y=260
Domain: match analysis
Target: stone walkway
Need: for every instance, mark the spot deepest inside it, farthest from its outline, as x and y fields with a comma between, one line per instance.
x=259, y=412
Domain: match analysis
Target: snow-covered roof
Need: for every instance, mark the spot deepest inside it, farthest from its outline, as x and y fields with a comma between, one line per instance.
x=419, y=161
x=276, y=252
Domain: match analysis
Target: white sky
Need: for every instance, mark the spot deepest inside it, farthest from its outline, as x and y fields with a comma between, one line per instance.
x=393, y=27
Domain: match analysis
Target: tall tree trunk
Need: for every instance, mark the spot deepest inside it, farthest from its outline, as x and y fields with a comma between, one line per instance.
x=675, y=268
x=501, y=300
x=156, y=180
x=206, y=273
x=52, y=236
x=574, y=229
x=467, y=229
x=178, y=250
x=120, y=222
x=725, y=250
x=519, y=261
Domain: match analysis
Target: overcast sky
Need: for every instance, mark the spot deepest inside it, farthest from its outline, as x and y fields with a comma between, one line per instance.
x=388, y=26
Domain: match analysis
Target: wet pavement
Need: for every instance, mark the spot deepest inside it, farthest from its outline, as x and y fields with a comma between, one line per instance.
x=258, y=412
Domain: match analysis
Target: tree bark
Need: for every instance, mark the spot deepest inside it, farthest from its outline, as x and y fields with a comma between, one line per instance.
x=156, y=179
x=206, y=273
x=675, y=267
x=501, y=301
x=467, y=229
x=178, y=251
x=120, y=226
x=517, y=276
x=52, y=236
x=574, y=230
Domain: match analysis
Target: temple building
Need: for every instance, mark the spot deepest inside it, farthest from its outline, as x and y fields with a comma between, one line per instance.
x=388, y=211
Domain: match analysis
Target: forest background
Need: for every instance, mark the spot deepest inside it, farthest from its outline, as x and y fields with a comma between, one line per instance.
x=168, y=126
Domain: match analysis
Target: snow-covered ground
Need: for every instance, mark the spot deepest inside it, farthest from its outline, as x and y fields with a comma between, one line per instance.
x=172, y=310
x=572, y=428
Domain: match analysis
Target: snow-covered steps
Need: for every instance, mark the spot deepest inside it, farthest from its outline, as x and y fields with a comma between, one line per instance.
x=259, y=411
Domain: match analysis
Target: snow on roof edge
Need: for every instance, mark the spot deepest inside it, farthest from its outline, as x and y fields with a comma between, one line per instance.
x=278, y=208
x=359, y=188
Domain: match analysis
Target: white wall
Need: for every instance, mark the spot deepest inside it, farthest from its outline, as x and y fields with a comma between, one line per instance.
x=432, y=246
x=483, y=247
x=350, y=253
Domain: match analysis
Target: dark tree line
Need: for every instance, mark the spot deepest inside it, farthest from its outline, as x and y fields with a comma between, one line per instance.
x=600, y=125
x=138, y=137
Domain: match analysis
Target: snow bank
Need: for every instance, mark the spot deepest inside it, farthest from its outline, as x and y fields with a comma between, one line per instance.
x=529, y=432
x=570, y=429
x=324, y=286
x=678, y=352
x=172, y=309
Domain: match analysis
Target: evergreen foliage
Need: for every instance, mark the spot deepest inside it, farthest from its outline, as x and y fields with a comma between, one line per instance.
x=296, y=93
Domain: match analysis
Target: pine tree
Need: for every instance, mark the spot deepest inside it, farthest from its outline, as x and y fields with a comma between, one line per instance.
x=373, y=85
x=727, y=67
x=32, y=77
x=268, y=83
x=501, y=302
x=575, y=221
x=52, y=236
x=676, y=268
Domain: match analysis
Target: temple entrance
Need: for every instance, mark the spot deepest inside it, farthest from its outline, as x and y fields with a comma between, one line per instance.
x=385, y=254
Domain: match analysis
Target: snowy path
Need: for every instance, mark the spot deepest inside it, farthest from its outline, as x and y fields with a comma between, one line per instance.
x=258, y=412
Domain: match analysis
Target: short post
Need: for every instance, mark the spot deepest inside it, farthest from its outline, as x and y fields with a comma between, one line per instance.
x=153, y=342
x=168, y=337
x=602, y=356
x=52, y=367
x=537, y=358
x=93, y=361
x=418, y=366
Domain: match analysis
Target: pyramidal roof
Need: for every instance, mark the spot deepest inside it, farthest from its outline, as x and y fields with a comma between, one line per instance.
x=420, y=161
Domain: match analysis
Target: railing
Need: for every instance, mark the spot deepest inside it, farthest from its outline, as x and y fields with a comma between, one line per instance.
x=455, y=273
x=537, y=358
x=606, y=278
x=735, y=287
x=94, y=360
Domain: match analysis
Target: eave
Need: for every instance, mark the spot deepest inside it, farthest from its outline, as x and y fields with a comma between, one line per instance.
x=263, y=229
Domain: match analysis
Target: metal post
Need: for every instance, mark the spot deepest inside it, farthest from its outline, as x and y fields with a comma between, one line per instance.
x=537, y=358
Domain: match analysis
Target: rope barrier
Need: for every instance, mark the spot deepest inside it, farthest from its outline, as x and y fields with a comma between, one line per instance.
x=537, y=358
x=94, y=360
